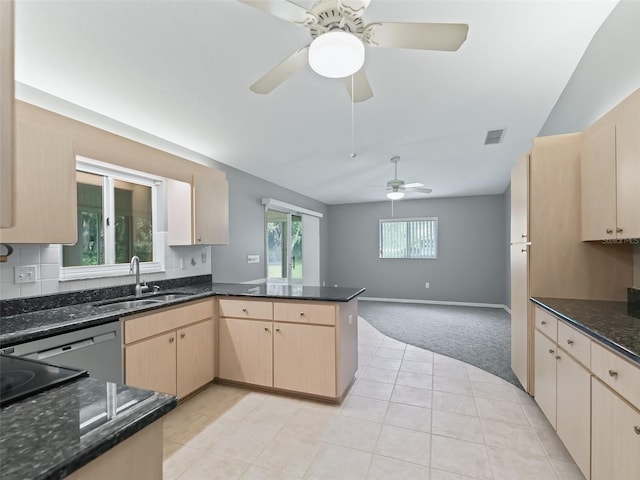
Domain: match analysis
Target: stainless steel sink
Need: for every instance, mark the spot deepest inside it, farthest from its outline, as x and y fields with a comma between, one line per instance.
x=126, y=304
x=167, y=297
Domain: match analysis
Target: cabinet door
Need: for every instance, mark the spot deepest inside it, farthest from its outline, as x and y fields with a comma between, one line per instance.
x=6, y=113
x=574, y=409
x=545, y=376
x=304, y=358
x=598, y=169
x=246, y=351
x=45, y=188
x=195, y=357
x=210, y=209
x=151, y=363
x=615, y=436
x=520, y=314
x=179, y=218
x=628, y=168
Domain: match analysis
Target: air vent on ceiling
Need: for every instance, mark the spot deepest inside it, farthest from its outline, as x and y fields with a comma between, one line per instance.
x=494, y=136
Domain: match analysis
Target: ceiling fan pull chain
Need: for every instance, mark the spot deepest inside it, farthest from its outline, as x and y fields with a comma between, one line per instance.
x=353, y=123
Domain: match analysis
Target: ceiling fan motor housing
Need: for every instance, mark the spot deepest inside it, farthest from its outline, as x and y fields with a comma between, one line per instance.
x=332, y=15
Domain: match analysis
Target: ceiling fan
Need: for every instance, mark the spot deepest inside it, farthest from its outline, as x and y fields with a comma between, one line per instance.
x=397, y=188
x=338, y=35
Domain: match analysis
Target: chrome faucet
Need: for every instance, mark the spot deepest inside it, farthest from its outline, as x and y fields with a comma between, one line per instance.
x=134, y=267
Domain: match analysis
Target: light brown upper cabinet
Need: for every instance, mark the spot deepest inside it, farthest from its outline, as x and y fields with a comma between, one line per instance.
x=45, y=187
x=6, y=114
x=198, y=213
x=611, y=174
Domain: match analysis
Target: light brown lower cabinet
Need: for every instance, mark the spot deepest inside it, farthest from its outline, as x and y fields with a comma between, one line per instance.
x=171, y=350
x=615, y=436
x=545, y=376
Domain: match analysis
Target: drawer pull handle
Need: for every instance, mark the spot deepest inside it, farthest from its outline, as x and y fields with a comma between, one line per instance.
x=619, y=230
x=171, y=339
x=302, y=314
x=266, y=329
x=182, y=335
x=558, y=357
x=543, y=322
x=609, y=230
x=244, y=310
x=637, y=429
x=277, y=329
x=613, y=373
x=570, y=342
x=551, y=351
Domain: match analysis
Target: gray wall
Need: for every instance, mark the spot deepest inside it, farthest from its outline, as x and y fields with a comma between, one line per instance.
x=246, y=227
x=471, y=250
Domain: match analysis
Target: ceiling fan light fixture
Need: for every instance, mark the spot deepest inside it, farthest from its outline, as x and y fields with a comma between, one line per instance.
x=336, y=54
x=395, y=195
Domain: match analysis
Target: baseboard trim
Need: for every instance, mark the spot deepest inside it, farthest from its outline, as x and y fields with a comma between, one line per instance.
x=434, y=302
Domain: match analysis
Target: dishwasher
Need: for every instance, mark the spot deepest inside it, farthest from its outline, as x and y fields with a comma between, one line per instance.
x=95, y=349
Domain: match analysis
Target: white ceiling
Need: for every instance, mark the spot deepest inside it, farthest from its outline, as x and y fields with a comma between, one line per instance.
x=181, y=70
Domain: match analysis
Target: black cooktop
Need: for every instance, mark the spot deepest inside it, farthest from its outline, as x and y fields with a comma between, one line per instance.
x=21, y=377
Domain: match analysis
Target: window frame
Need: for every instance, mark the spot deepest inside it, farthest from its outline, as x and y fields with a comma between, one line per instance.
x=383, y=221
x=109, y=269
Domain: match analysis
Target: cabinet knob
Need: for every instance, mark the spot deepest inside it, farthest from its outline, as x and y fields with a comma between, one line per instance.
x=199, y=239
x=277, y=329
x=171, y=339
x=523, y=235
x=543, y=322
x=609, y=231
x=266, y=329
x=570, y=342
x=302, y=314
x=613, y=373
x=558, y=357
x=523, y=250
x=552, y=351
x=637, y=429
x=619, y=230
x=244, y=310
x=182, y=335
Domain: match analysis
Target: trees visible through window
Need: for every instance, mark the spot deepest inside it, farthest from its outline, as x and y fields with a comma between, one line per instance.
x=409, y=238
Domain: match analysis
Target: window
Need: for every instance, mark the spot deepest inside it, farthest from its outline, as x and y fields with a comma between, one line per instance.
x=116, y=220
x=409, y=238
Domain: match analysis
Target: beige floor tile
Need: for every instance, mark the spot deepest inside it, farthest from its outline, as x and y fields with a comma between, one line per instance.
x=417, y=367
x=461, y=386
x=254, y=472
x=367, y=350
x=514, y=437
x=411, y=379
x=383, y=468
x=248, y=440
x=388, y=363
x=414, y=355
x=380, y=374
x=289, y=455
x=408, y=416
x=215, y=467
x=420, y=397
x=404, y=444
x=178, y=421
x=460, y=427
x=365, y=408
x=509, y=464
x=454, y=403
x=567, y=470
x=442, y=475
x=494, y=391
x=389, y=353
x=478, y=375
x=522, y=397
x=536, y=418
x=203, y=434
x=463, y=458
x=388, y=342
x=553, y=446
x=364, y=361
x=450, y=370
x=177, y=459
x=501, y=411
x=311, y=421
x=371, y=389
x=338, y=463
x=439, y=359
x=353, y=433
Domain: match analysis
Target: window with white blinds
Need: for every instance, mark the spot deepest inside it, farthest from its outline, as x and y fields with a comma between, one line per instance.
x=409, y=238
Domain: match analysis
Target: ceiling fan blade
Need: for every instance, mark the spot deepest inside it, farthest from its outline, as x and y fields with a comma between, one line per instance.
x=416, y=189
x=360, y=86
x=421, y=36
x=281, y=72
x=285, y=10
x=413, y=185
x=355, y=5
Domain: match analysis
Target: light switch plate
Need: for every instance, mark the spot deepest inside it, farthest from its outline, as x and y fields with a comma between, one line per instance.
x=253, y=258
x=24, y=274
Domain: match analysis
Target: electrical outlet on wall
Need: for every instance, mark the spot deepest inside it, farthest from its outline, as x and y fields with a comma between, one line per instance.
x=426, y=284
x=24, y=274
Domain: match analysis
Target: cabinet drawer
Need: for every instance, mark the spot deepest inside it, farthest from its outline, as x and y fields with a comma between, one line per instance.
x=574, y=343
x=142, y=326
x=240, y=308
x=322, y=314
x=612, y=369
x=546, y=323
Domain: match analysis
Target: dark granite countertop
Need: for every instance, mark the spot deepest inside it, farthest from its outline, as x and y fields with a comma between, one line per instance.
x=287, y=291
x=53, y=433
x=616, y=324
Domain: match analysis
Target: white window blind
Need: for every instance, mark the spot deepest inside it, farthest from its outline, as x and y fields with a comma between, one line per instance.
x=409, y=238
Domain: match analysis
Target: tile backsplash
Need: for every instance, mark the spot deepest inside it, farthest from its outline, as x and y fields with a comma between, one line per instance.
x=46, y=258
